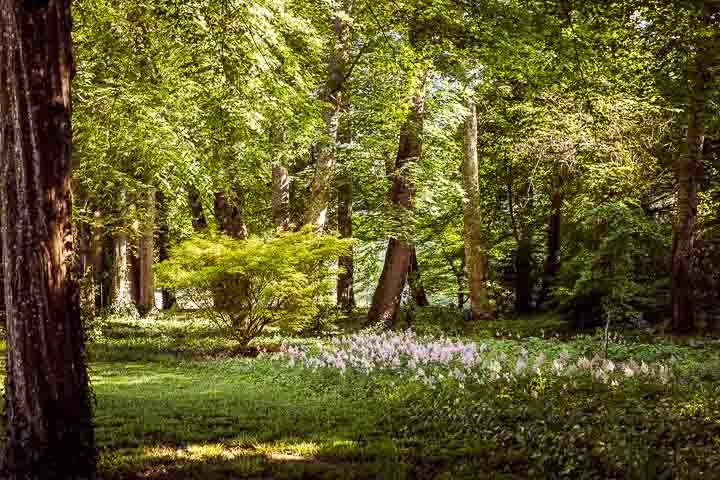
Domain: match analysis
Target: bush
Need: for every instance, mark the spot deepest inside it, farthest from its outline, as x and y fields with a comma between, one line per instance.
x=614, y=272
x=245, y=285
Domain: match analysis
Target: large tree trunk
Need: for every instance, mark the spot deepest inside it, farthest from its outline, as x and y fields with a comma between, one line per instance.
x=688, y=170
x=281, y=198
x=47, y=399
x=168, y=296
x=552, y=261
x=415, y=281
x=199, y=222
x=146, y=258
x=475, y=259
x=333, y=97
x=389, y=290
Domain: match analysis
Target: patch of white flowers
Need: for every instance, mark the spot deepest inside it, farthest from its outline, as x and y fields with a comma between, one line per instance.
x=433, y=360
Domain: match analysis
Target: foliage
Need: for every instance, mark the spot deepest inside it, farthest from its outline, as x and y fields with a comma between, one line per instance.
x=318, y=423
x=246, y=285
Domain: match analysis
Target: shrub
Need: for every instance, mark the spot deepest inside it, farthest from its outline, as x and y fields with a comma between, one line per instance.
x=245, y=285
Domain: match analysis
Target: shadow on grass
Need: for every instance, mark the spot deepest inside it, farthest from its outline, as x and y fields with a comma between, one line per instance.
x=301, y=460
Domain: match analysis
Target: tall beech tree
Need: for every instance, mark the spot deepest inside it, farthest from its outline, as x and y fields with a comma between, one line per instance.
x=48, y=407
x=475, y=257
x=391, y=284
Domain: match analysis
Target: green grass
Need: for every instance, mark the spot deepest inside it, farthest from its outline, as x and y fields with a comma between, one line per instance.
x=172, y=404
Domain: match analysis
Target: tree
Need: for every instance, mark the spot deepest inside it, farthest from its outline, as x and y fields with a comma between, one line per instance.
x=475, y=258
x=146, y=257
x=333, y=99
x=49, y=413
x=392, y=280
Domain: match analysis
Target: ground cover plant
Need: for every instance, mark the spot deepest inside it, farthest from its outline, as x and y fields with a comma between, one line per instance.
x=173, y=401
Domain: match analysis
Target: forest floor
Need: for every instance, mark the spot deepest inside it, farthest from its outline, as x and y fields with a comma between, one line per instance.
x=173, y=404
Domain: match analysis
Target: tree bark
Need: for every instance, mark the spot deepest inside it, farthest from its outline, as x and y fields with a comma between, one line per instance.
x=199, y=222
x=688, y=171
x=121, y=295
x=96, y=254
x=345, y=287
x=524, y=276
x=281, y=198
x=47, y=398
x=230, y=216
x=415, y=281
x=87, y=280
x=552, y=261
x=475, y=258
x=146, y=258
x=333, y=98
x=168, y=296
x=389, y=290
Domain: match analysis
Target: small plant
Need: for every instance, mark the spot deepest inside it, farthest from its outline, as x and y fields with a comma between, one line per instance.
x=245, y=285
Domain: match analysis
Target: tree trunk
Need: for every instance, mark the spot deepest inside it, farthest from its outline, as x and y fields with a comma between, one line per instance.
x=475, y=259
x=47, y=398
x=415, y=281
x=230, y=216
x=120, y=296
x=345, y=288
x=281, y=198
x=96, y=255
x=524, y=276
x=333, y=97
x=389, y=290
x=168, y=296
x=146, y=258
x=199, y=222
x=552, y=261
x=87, y=280
x=688, y=171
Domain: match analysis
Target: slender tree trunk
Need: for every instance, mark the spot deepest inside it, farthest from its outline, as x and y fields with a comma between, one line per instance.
x=552, y=261
x=688, y=170
x=199, y=222
x=389, y=290
x=121, y=295
x=524, y=275
x=281, y=198
x=146, y=258
x=87, y=280
x=415, y=281
x=230, y=218
x=333, y=96
x=168, y=296
x=47, y=398
x=345, y=288
x=460, y=275
x=475, y=258
x=96, y=254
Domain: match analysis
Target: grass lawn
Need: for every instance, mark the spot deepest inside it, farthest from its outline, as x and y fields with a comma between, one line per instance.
x=170, y=404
